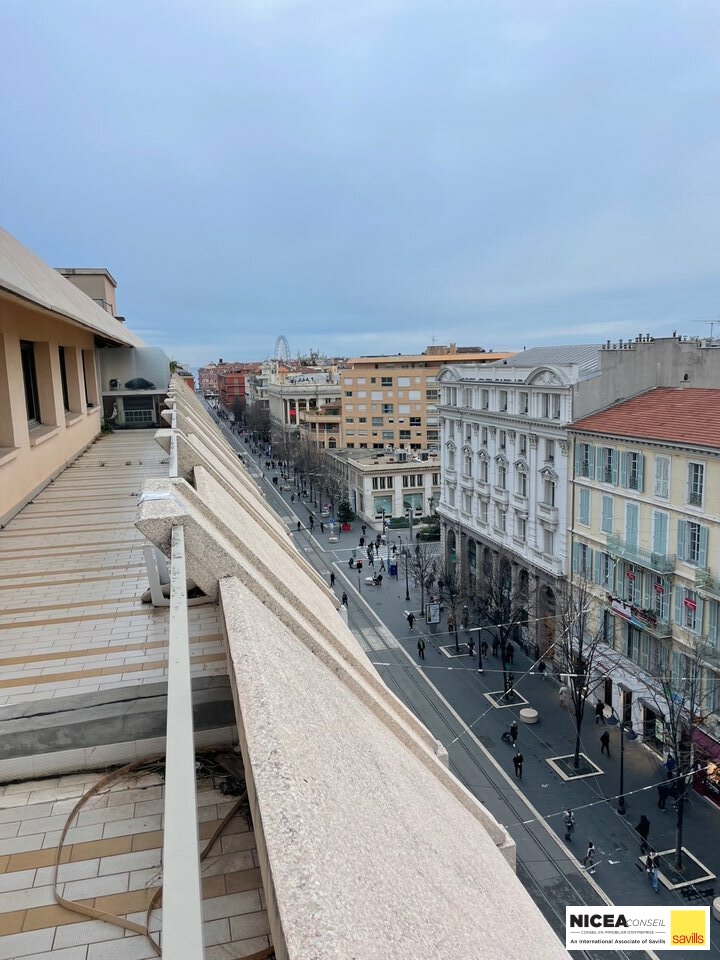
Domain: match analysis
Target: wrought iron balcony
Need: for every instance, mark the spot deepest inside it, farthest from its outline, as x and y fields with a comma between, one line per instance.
x=707, y=584
x=647, y=620
x=659, y=562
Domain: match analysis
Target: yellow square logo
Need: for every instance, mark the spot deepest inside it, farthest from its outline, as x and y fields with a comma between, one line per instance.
x=687, y=928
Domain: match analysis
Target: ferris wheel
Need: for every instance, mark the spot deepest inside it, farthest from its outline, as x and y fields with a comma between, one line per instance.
x=282, y=348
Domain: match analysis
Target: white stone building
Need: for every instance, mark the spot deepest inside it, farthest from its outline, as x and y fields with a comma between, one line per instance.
x=504, y=500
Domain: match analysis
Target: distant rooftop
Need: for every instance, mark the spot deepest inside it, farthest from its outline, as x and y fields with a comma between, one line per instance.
x=24, y=275
x=432, y=358
x=583, y=355
x=678, y=415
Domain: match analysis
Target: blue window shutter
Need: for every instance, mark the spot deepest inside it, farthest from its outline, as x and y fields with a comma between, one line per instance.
x=615, y=469
x=631, y=523
x=679, y=605
x=702, y=552
x=607, y=514
x=681, y=538
x=578, y=449
x=584, y=506
x=600, y=464
x=597, y=566
x=591, y=460
x=699, y=609
x=624, y=457
x=660, y=525
x=576, y=557
x=713, y=623
x=641, y=473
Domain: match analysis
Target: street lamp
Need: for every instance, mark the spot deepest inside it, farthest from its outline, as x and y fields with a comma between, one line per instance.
x=631, y=736
x=480, y=639
x=406, y=557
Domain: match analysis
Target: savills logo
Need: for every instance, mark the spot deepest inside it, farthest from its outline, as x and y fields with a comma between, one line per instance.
x=687, y=928
x=637, y=928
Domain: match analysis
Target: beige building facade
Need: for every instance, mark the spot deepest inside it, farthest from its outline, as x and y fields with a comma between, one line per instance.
x=50, y=394
x=393, y=401
x=646, y=537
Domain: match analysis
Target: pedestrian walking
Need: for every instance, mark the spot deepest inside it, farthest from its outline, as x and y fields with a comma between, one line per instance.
x=600, y=712
x=510, y=653
x=651, y=866
x=643, y=829
x=465, y=618
x=292, y=498
x=542, y=667
x=495, y=646
x=322, y=527
x=451, y=623
x=569, y=821
x=361, y=542
x=364, y=529
x=484, y=648
x=605, y=741
x=382, y=565
x=518, y=764
x=371, y=560
x=421, y=648
x=663, y=793
x=411, y=619
x=299, y=525
x=589, y=858
x=471, y=647
x=344, y=599
x=332, y=579
x=514, y=732
x=312, y=522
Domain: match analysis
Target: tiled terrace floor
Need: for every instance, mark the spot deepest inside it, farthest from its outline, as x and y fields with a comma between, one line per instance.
x=113, y=863
x=71, y=576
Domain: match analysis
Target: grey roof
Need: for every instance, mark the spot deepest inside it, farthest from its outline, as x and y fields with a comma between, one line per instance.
x=27, y=276
x=584, y=355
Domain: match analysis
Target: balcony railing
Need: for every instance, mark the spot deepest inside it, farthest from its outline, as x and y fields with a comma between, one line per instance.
x=646, y=620
x=501, y=494
x=707, y=584
x=659, y=562
x=548, y=513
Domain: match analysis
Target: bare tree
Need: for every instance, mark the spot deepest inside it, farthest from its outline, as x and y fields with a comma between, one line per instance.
x=502, y=604
x=333, y=484
x=453, y=591
x=422, y=566
x=675, y=688
x=578, y=647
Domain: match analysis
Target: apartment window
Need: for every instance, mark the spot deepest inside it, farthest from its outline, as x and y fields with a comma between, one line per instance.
x=608, y=511
x=451, y=459
x=386, y=381
x=632, y=523
x=467, y=397
x=484, y=436
x=582, y=560
x=696, y=481
x=405, y=382
x=660, y=532
x=484, y=399
x=388, y=435
x=468, y=433
x=415, y=422
x=500, y=519
x=522, y=445
x=692, y=543
x=584, y=460
x=660, y=597
x=362, y=419
x=451, y=428
x=522, y=482
x=348, y=393
x=608, y=472
x=387, y=408
x=520, y=527
x=550, y=451
x=467, y=502
x=633, y=582
x=404, y=434
x=549, y=492
x=608, y=628
x=584, y=507
x=503, y=400
x=502, y=439
x=377, y=421
x=483, y=511
x=451, y=496
x=603, y=568
x=483, y=470
x=632, y=469
x=64, y=380
x=548, y=543
x=32, y=400
x=662, y=477
x=413, y=395
x=524, y=403
x=502, y=476
x=382, y=483
x=688, y=610
x=551, y=406
x=349, y=419
x=467, y=464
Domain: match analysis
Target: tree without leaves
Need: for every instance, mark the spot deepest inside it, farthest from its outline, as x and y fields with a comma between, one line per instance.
x=453, y=591
x=422, y=567
x=502, y=605
x=674, y=686
x=578, y=649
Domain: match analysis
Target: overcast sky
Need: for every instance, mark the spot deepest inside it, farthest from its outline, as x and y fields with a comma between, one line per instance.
x=366, y=176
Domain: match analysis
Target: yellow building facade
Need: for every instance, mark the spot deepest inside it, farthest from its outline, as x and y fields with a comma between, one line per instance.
x=645, y=529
